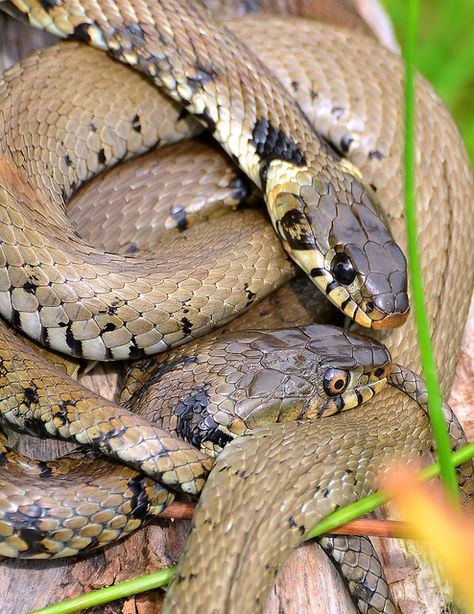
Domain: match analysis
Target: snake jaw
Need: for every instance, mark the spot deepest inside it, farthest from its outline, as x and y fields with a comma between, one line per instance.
x=352, y=398
x=376, y=387
x=361, y=318
x=337, y=294
x=392, y=320
x=364, y=312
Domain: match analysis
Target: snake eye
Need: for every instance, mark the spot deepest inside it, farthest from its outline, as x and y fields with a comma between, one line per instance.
x=335, y=381
x=342, y=269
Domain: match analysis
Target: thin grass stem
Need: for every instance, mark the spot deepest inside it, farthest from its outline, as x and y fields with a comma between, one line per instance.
x=438, y=426
x=163, y=577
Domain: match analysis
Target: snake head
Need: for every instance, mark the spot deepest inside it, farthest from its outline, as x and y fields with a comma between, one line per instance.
x=213, y=390
x=341, y=241
x=304, y=372
x=351, y=369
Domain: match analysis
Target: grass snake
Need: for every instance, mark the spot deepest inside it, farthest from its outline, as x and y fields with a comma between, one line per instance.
x=441, y=216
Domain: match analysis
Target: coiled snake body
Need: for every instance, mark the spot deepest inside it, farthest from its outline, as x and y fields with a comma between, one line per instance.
x=355, y=437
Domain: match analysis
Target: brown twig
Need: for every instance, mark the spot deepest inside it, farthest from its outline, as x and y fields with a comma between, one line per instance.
x=362, y=526
x=375, y=528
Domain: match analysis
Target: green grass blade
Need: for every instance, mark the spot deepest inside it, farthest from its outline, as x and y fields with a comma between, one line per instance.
x=111, y=593
x=445, y=54
x=440, y=434
x=163, y=577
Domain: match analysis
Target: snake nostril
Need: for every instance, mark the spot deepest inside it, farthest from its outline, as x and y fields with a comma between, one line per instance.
x=369, y=307
x=379, y=372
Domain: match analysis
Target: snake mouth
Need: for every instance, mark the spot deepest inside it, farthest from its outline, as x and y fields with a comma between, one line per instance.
x=392, y=320
x=362, y=394
x=385, y=312
x=364, y=313
x=377, y=318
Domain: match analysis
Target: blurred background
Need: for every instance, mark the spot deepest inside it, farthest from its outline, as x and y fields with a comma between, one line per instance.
x=445, y=54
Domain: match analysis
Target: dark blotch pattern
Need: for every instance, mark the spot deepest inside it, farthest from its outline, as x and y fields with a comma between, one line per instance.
x=134, y=352
x=346, y=142
x=49, y=4
x=206, y=118
x=272, y=144
x=35, y=427
x=250, y=295
x=134, y=29
x=295, y=229
x=74, y=345
x=187, y=326
x=240, y=188
x=29, y=287
x=138, y=501
x=46, y=471
x=81, y=32
x=201, y=76
x=194, y=422
x=378, y=155
x=30, y=396
x=178, y=213
x=136, y=125
x=183, y=113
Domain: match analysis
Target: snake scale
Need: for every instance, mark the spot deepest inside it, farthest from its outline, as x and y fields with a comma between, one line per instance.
x=385, y=180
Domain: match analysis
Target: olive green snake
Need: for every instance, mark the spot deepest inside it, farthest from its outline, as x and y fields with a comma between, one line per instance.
x=442, y=280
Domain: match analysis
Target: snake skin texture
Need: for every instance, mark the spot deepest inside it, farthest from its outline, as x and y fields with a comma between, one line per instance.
x=413, y=386
x=125, y=210
x=370, y=131
x=48, y=510
x=162, y=308
x=37, y=417
x=337, y=13
x=360, y=567
x=104, y=212
x=44, y=403
x=110, y=503
x=240, y=383
x=318, y=206
x=344, y=134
